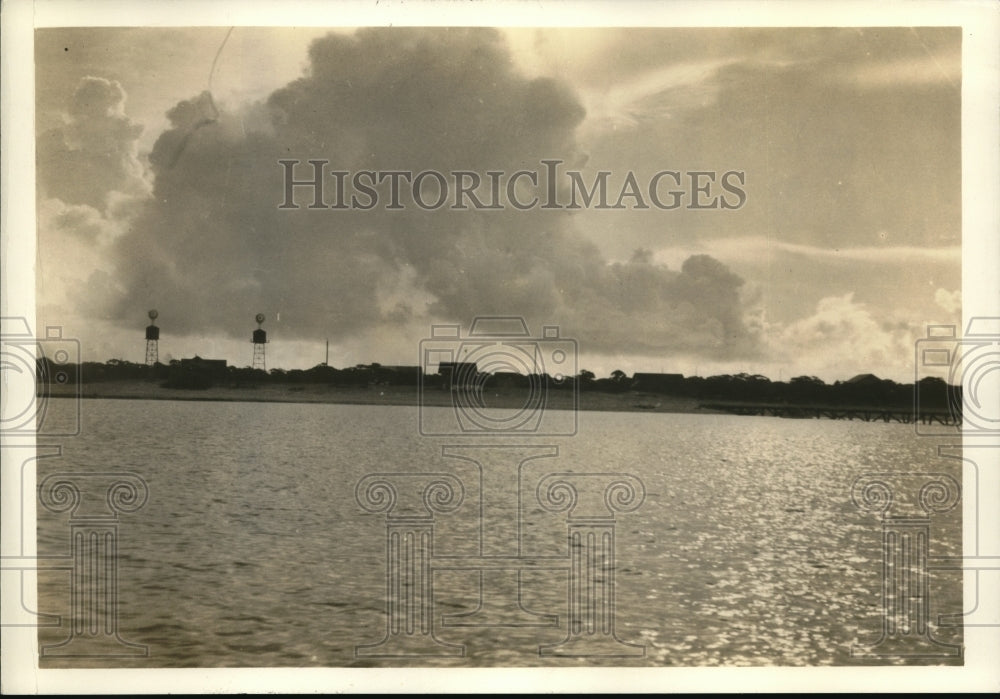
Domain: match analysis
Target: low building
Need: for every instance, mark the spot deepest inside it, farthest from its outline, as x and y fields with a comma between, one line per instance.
x=507, y=379
x=196, y=373
x=657, y=383
x=399, y=375
x=216, y=366
x=458, y=375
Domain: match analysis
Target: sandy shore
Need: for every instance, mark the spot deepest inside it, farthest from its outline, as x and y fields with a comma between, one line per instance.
x=630, y=401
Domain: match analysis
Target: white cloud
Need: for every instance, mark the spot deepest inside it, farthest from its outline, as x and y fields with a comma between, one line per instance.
x=72, y=239
x=951, y=301
x=913, y=71
x=95, y=152
x=843, y=338
x=656, y=94
x=761, y=248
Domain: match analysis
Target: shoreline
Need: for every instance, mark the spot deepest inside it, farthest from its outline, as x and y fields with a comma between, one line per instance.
x=501, y=399
x=630, y=401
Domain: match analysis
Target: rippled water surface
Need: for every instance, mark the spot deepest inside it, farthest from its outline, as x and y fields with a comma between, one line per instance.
x=253, y=551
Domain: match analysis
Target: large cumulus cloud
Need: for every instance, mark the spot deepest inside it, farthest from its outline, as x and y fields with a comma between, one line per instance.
x=94, y=153
x=211, y=247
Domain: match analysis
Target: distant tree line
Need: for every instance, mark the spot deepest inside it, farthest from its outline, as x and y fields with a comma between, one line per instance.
x=196, y=373
x=199, y=374
x=800, y=390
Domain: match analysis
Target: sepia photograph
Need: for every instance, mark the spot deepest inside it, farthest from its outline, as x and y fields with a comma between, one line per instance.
x=553, y=343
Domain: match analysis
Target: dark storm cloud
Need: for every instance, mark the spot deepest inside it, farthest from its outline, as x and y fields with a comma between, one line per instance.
x=211, y=248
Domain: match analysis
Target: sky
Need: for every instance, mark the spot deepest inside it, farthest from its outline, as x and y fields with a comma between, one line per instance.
x=159, y=186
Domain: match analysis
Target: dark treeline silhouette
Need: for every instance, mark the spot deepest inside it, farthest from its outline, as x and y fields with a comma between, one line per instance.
x=196, y=373
x=802, y=390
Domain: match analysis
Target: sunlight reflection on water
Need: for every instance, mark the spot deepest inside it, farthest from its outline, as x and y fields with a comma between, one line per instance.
x=252, y=550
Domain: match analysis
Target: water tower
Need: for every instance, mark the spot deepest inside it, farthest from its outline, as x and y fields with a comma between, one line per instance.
x=152, y=340
x=259, y=340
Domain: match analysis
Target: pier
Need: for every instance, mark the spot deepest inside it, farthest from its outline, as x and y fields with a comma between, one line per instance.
x=865, y=414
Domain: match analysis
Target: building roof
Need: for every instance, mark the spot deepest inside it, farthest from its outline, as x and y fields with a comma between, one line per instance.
x=201, y=360
x=864, y=378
